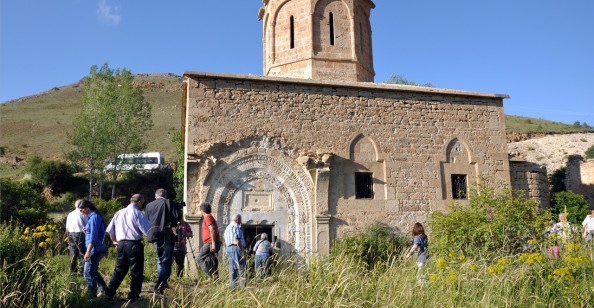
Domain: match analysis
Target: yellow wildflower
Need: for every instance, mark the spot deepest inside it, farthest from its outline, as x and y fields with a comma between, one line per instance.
x=441, y=263
x=433, y=278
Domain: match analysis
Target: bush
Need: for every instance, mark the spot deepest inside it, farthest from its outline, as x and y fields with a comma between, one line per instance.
x=590, y=152
x=22, y=202
x=54, y=174
x=146, y=184
x=377, y=245
x=493, y=223
x=576, y=205
x=108, y=208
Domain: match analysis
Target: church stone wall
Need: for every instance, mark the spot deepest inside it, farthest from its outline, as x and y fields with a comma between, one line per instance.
x=532, y=179
x=401, y=133
x=579, y=177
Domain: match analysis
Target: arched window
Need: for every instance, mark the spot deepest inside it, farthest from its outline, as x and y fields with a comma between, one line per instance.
x=331, y=29
x=292, y=22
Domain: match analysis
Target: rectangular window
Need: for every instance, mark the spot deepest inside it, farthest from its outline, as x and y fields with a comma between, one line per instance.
x=459, y=187
x=363, y=185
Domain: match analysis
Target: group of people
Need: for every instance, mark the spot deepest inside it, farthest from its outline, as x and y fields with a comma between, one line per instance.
x=158, y=223
x=162, y=224
x=235, y=249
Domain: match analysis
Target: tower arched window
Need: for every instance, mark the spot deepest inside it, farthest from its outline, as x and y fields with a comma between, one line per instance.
x=292, y=25
x=331, y=24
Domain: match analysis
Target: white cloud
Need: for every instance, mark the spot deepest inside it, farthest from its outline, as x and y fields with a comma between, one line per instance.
x=109, y=13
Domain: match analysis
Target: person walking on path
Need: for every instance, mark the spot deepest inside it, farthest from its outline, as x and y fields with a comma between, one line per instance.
x=419, y=245
x=95, y=247
x=164, y=215
x=75, y=231
x=126, y=230
x=235, y=243
x=207, y=255
x=263, y=250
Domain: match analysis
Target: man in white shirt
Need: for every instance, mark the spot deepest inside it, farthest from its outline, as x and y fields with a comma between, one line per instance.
x=588, y=227
x=75, y=230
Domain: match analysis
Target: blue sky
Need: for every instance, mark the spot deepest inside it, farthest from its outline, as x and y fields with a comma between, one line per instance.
x=540, y=52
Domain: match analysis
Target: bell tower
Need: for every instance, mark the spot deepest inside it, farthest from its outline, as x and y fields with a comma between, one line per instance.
x=318, y=39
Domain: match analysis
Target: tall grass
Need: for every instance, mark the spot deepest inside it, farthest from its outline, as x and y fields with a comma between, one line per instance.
x=529, y=279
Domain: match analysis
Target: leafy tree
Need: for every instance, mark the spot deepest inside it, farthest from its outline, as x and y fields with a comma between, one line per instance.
x=492, y=224
x=400, y=79
x=576, y=205
x=178, y=173
x=590, y=152
x=114, y=119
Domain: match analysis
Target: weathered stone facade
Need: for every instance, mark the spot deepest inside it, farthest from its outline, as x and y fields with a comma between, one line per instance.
x=579, y=177
x=532, y=179
x=296, y=145
x=312, y=159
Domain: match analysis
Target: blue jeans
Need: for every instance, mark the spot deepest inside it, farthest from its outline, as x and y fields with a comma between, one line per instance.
x=164, y=263
x=236, y=267
x=92, y=275
x=261, y=265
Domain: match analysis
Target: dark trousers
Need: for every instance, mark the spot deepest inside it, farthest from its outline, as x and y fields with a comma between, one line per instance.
x=179, y=255
x=130, y=256
x=208, y=261
x=76, y=250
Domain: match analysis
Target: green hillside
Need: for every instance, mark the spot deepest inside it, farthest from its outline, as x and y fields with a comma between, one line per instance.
x=39, y=124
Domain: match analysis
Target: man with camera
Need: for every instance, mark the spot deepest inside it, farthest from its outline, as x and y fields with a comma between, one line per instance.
x=164, y=216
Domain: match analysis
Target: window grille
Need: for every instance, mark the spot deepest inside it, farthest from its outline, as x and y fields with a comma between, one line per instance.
x=363, y=185
x=459, y=187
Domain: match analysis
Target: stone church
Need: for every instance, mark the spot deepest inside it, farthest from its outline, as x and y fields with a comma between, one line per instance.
x=314, y=149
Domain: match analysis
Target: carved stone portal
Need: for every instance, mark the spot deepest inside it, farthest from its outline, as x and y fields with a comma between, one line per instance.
x=265, y=190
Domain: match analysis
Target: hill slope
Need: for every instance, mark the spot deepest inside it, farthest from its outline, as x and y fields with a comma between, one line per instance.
x=40, y=123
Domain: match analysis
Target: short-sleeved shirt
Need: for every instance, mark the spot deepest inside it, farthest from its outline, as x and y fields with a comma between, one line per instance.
x=95, y=233
x=210, y=220
x=421, y=242
x=588, y=223
x=232, y=232
x=129, y=224
x=76, y=221
x=263, y=248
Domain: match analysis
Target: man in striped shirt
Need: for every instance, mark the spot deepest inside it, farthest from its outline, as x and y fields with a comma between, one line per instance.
x=235, y=243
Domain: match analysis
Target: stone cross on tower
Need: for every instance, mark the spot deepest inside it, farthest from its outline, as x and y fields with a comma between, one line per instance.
x=318, y=39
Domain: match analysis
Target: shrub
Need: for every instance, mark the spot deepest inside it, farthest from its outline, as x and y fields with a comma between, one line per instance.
x=108, y=208
x=146, y=184
x=12, y=247
x=54, y=174
x=22, y=202
x=590, y=152
x=576, y=205
x=377, y=245
x=493, y=223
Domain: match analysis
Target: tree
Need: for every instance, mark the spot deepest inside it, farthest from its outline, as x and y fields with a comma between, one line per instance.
x=400, y=79
x=114, y=119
